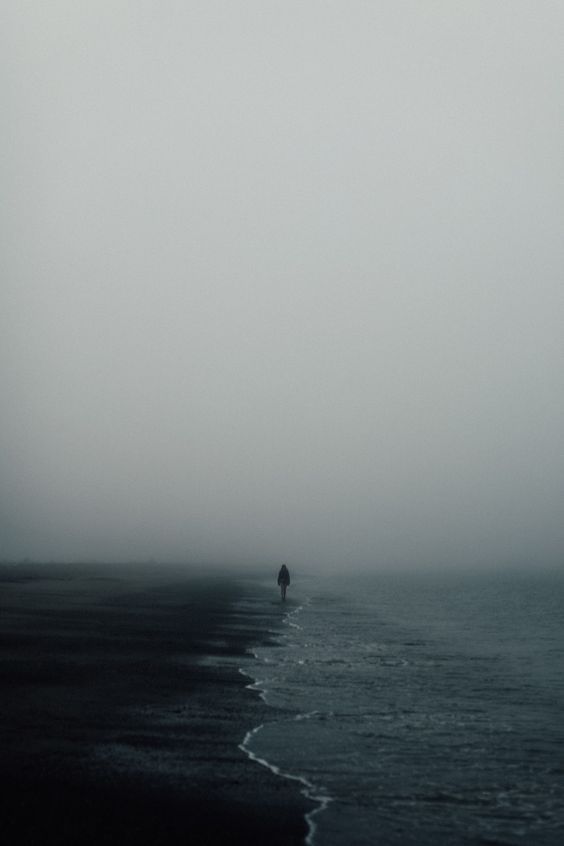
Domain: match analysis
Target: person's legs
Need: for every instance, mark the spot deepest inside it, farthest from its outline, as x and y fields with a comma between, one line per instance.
x=283, y=590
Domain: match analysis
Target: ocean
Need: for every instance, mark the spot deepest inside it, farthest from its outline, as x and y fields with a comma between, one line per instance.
x=419, y=709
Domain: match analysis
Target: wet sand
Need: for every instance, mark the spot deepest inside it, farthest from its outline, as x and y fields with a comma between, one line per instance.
x=122, y=710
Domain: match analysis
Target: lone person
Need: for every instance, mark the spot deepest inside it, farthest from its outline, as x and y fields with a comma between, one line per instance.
x=283, y=580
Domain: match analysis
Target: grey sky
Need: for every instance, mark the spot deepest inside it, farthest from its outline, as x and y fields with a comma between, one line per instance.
x=283, y=280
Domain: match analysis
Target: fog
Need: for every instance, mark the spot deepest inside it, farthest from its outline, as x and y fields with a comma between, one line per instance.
x=283, y=281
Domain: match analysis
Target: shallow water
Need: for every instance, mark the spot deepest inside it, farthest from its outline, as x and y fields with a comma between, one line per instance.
x=421, y=709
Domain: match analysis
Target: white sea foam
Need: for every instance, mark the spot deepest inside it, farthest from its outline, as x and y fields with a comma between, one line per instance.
x=309, y=790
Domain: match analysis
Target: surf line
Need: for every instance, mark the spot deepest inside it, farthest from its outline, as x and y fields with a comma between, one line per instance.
x=309, y=790
x=288, y=616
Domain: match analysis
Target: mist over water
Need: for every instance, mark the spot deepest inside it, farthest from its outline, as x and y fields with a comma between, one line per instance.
x=283, y=282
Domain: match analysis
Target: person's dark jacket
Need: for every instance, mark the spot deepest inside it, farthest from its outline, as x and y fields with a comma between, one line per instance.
x=283, y=575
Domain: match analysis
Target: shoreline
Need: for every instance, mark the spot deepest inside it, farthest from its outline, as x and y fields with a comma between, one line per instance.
x=125, y=711
x=309, y=790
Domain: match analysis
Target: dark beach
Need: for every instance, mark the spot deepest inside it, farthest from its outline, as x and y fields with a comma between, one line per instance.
x=123, y=708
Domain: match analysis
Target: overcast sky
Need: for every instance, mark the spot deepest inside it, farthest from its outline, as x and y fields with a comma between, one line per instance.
x=283, y=280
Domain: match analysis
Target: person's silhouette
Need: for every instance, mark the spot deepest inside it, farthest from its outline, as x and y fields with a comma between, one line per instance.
x=283, y=580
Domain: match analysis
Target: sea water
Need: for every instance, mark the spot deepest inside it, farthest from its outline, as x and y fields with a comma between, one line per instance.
x=420, y=709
